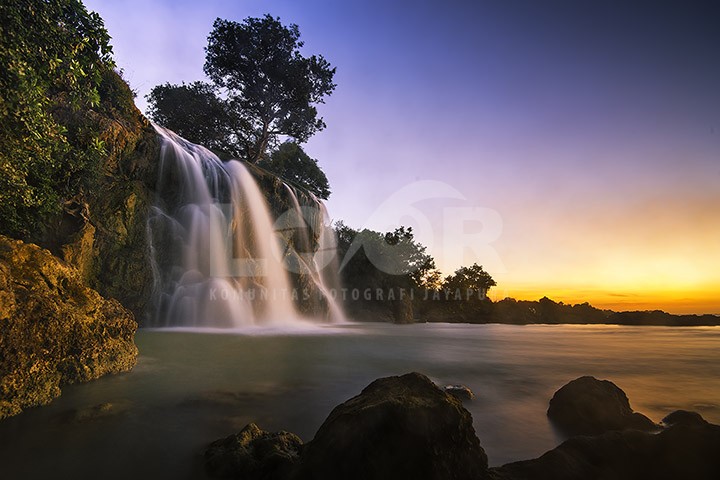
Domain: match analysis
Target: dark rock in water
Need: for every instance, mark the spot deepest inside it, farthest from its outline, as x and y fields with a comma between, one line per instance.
x=459, y=391
x=588, y=406
x=54, y=330
x=683, y=417
x=622, y=448
x=679, y=452
x=407, y=428
x=253, y=454
x=398, y=427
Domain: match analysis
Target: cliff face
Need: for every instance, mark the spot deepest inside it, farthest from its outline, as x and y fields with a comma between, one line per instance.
x=54, y=330
x=102, y=232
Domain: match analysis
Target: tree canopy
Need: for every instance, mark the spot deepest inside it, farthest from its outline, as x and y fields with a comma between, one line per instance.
x=290, y=162
x=262, y=90
x=469, y=278
x=373, y=259
x=195, y=112
x=271, y=88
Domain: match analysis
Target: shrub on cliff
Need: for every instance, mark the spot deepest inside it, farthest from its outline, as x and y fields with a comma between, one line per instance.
x=54, y=56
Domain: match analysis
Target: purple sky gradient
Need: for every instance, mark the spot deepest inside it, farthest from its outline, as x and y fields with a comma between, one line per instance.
x=592, y=130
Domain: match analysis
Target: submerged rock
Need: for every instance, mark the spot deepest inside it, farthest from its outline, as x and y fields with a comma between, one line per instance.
x=95, y=412
x=253, y=454
x=398, y=427
x=588, y=406
x=54, y=330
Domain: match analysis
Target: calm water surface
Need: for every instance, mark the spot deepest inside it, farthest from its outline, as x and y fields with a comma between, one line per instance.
x=191, y=388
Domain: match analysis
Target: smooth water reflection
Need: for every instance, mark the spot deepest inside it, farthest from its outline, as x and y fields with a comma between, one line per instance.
x=191, y=388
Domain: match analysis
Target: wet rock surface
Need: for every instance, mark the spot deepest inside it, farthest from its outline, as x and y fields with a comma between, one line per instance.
x=253, y=454
x=407, y=427
x=398, y=427
x=459, y=391
x=588, y=406
x=54, y=330
x=678, y=452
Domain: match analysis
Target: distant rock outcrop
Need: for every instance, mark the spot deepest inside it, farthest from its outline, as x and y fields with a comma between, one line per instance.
x=54, y=329
x=588, y=406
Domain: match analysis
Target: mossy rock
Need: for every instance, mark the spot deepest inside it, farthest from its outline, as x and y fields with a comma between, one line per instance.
x=54, y=329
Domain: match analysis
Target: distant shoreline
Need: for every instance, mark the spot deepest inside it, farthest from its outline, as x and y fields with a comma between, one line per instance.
x=515, y=312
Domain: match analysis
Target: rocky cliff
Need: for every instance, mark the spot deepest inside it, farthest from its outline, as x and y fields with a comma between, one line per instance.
x=54, y=330
x=102, y=232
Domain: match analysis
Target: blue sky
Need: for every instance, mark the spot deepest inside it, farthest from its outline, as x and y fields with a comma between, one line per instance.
x=590, y=130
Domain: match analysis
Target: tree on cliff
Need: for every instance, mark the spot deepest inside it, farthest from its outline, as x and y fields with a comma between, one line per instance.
x=195, y=112
x=291, y=162
x=271, y=88
x=261, y=89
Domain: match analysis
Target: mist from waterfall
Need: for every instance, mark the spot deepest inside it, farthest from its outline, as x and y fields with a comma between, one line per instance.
x=220, y=259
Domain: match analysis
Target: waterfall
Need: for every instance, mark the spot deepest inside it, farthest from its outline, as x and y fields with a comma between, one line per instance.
x=219, y=257
x=319, y=262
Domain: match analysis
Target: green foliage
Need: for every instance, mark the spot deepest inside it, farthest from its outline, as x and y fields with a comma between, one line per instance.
x=373, y=259
x=271, y=88
x=469, y=278
x=196, y=113
x=53, y=55
x=394, y=261
x=291, y=163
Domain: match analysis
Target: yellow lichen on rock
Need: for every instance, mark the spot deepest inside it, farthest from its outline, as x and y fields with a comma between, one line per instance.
x=54, y=329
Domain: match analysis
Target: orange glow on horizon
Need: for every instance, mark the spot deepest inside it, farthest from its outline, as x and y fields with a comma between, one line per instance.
x=696, y=301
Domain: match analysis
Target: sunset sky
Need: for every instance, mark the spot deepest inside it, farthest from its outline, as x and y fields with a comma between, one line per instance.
x=571, y=147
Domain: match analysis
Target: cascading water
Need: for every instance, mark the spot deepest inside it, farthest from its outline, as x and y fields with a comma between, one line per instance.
x=216, y=253
x=317, y=261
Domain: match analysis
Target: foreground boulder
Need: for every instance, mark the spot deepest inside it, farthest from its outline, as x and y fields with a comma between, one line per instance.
x=619, y=449
x=398, y=427
x=54, y=330
x=683, y=417
x=406, y=427
x=253, y=454
x=678, y=452
x=588, y=406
